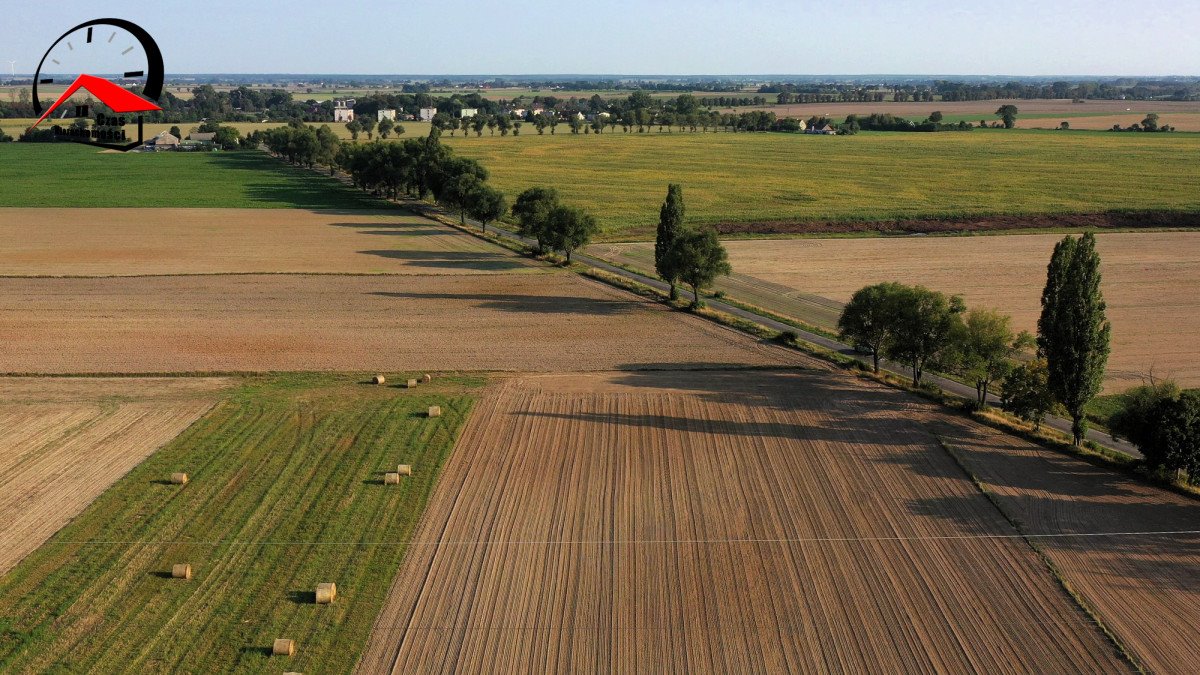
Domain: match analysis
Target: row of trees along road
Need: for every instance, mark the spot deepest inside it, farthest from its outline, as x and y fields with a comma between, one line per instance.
x=554, y=225
x=926, y=329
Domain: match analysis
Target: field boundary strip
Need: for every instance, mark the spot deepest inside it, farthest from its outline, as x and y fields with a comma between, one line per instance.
x=622, y=542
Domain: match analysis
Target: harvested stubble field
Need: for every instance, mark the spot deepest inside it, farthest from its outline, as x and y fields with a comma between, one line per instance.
x=747, y=178
x=1151, y=284
x=553, y=322
x=121, y=242
x=724, y=521
x=64, y=442
x=286, y=492
x=1147, y=587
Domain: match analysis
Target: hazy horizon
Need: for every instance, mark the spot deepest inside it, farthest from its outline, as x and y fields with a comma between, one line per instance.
x=920, y=38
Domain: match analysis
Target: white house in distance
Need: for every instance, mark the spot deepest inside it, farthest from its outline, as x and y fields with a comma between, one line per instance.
x=343, y=110
x=427, y=114
x=385, y=114
x=468, y=112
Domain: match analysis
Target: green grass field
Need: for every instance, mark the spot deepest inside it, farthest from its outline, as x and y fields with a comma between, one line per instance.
x=622, y=178
x=71, y=175
x=286, y=492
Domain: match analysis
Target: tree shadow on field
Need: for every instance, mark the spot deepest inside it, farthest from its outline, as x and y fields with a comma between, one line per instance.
x=289, y=186
x=459, y=260
x=524, y=304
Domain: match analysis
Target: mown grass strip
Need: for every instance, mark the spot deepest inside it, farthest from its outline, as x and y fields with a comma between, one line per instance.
x=286, y=491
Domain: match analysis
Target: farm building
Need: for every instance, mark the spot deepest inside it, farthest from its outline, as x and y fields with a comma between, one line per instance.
x=824, y=130
x=202, y=138
x=343, y=110
x=426, y=114
x=468, y=112
x=163, y=141
x=385, y=114
x=519, y=112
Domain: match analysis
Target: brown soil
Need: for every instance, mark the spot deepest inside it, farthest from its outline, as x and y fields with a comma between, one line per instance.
x=126, y=242
x=554, y=321
x=1147, y=587
x=63, y=442
x=1127, y=220
x=718, y=522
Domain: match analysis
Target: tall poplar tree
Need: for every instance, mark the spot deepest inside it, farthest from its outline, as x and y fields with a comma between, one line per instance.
x=670, y=226
x=1073, y=331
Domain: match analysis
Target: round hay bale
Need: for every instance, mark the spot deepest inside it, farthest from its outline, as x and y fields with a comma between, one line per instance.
x=181, y=571
x=427, y=378
x=379, y=379
x=411, y=383
x=179, y=478
x=435, y=411
x=283, y=647
x=391, y=479
x=326, y=593
x=404, y=469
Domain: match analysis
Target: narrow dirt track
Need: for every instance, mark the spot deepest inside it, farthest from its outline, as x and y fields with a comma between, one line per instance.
x=58, y=453
x=718, y=522
x=1147, y=587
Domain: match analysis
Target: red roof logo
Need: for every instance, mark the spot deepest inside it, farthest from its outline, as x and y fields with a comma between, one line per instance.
x=118, y=99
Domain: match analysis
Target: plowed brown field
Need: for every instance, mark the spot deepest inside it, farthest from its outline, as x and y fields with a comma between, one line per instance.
x=557, y=321
x=63, y=442
x=1147, y=587
x=718, y=522
x=101, y=242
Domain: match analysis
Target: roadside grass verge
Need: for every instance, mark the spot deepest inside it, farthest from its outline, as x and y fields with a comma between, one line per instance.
x=286, y=491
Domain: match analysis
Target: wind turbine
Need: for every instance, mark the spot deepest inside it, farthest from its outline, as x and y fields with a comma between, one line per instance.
x=12, y=65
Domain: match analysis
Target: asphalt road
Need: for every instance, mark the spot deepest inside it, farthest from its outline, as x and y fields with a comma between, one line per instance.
x=948, y=385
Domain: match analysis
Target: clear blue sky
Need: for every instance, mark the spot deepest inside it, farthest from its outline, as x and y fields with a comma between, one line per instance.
x=1018, y=37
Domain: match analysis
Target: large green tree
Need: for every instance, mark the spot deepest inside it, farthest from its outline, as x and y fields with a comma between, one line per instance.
x=570, y=228
x=1026, y=392
x=869, y=319
x=670, y=225
x=927, y=324
x=987, y=346
x=486, y=204
x=1073, y=330
x=1008, y=115
x=532, y=211
x=697, y=258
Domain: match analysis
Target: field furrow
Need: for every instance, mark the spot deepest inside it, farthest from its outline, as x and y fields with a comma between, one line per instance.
x=1145, y=587
x=718, y=521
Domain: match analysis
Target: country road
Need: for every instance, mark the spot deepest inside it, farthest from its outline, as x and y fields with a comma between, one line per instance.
x=950, y=386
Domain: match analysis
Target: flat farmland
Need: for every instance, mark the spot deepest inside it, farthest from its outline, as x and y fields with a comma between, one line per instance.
x=64, y=442
x=745, y=179
x=718, y=522
x=171, y=324
x=286, y=491
x=977, y=110
x=118, y=242
x=1151, y=284
x=1145, y=586
x=72, y=175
